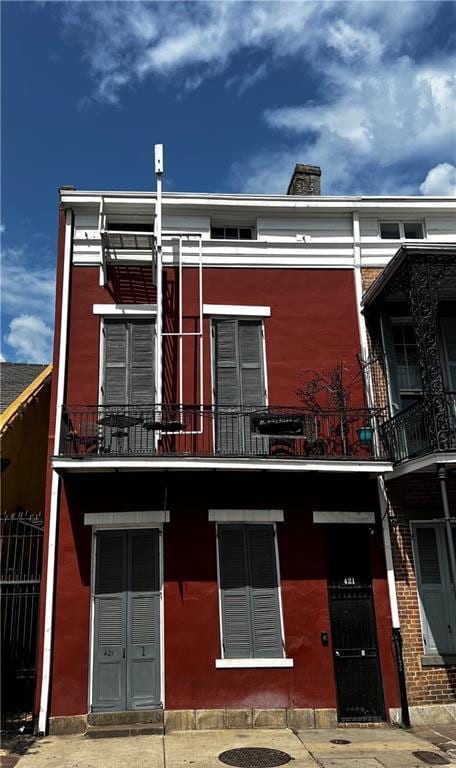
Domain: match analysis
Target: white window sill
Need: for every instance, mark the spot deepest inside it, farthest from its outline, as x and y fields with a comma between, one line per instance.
x=252, y=663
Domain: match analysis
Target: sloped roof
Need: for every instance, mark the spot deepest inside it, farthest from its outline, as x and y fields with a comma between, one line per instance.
x=14, y=378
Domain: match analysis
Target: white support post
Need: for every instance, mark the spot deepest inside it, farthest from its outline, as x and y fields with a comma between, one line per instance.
x=159, y=267
x=383, y=502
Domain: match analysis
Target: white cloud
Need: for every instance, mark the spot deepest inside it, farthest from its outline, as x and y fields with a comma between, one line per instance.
x=128, y=41
x=2, y=228
x=378, y=109
x=2, y=358
x=440, y=180
x=396, y=113
x=26, y=284
x=353, y=43
x=30, y=338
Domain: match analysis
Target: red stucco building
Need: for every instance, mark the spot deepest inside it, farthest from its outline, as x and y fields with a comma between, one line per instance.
x=214, y=550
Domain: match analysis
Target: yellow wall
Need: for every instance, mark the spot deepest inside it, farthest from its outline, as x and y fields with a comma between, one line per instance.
x=25, y=443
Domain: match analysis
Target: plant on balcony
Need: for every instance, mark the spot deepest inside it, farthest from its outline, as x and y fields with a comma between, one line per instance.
x=332, y=390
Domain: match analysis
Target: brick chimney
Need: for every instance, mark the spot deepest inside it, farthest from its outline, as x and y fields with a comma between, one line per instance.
x=305, y=180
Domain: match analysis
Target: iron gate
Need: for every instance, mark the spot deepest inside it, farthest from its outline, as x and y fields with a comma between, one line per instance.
x=20, y=573
x=353, y=627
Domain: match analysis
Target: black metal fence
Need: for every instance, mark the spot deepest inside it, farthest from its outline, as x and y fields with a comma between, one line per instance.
x=20, y=574
x=413, y=432
x=224, y=431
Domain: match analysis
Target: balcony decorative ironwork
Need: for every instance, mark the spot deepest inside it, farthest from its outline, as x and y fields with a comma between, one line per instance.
x=221, y=431
x=413, y=432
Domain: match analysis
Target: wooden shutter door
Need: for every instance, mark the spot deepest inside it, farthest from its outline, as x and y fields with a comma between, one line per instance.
x=227, y=387
x=115, y=363
x=264, y=594
x=234, y=592
x=141, y=384
x=143, y=626
x=109, y=664
x=252, y=382
x=433, y=589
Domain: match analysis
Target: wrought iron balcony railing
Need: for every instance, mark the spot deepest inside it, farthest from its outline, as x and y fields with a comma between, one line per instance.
x=221, y=431
x=416, y=431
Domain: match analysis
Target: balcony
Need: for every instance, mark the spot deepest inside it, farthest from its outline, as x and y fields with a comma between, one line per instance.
x=417, y=431
x=123, y=432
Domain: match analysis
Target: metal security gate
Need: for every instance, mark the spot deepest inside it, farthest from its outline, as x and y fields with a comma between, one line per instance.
x=353, y=629
x=20, y=574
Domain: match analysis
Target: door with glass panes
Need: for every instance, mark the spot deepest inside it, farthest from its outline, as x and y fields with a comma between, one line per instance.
x=126, y=615
x=239, y=385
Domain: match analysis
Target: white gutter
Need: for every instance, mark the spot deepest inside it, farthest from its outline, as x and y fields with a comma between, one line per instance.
x=55, y=483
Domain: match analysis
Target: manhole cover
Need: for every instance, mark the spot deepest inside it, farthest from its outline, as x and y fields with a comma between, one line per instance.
x=431, y=758
x=254, y=757
x=340, y=741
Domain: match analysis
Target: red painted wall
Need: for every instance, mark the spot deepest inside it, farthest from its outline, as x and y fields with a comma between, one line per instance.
x=192, y=636
x=313, y=326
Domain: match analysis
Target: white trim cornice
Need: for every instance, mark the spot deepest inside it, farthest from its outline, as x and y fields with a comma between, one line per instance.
x=121, y=310
x=141, y=517
x=246, y=515
x=236, y=310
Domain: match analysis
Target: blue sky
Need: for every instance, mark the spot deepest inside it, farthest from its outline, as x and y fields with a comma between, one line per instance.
x=237, y=92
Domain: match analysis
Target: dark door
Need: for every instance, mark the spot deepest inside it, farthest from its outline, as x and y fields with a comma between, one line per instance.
x=353, y=629
x=126, y=654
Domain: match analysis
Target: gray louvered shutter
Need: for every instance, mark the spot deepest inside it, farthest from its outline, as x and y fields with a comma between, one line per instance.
x=251, y=363
x=227, y=387
x=109, y=672
x=433, y=589
x=143, y=625
x=142, y=383
x=264, y=593
x=234, y=592
x=252, y=382
x=115, y=363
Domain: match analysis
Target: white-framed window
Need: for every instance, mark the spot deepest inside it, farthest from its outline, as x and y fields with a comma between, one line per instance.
x=231, y=233
x=249, y=588
x=401, y=230
x=128, y=362
x=436, y=590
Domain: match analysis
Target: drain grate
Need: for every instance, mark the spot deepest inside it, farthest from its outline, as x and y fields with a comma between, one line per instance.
x=431, y=758
x=254, y=757
x=340, y=741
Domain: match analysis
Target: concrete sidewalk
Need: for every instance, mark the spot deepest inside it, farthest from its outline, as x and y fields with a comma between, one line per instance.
x=367, y=748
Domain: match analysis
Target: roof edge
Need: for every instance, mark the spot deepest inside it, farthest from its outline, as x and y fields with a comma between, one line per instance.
x=33, y=388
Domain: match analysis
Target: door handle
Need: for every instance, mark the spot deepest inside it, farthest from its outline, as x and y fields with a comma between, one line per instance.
x=123, y=653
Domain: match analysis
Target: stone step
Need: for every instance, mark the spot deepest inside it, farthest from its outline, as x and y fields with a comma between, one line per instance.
x=132, y=717
x=129, y=729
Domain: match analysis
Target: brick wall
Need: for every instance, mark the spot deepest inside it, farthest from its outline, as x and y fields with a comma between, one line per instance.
x=368, y=276
x=417, y=497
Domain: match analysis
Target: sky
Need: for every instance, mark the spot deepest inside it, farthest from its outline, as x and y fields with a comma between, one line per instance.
x=237, y=92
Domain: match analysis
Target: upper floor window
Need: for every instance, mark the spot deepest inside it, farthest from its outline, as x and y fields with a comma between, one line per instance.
x=232, y=233
x=128, y=365
x=401, y=230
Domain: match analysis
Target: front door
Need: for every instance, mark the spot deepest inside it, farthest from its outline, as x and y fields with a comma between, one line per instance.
x=353, y=629
x=126, y=646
